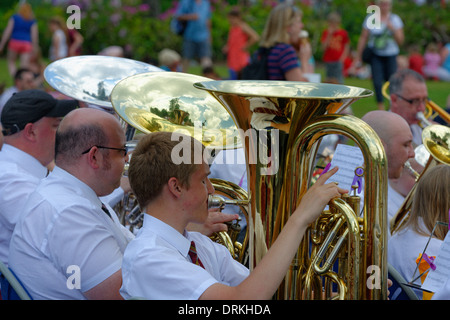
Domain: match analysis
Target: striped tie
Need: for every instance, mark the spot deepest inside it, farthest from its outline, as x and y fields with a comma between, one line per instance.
x=194, y=257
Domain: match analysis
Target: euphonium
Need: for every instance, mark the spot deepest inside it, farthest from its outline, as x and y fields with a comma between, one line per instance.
x=434, y=151
x=281, y=125
x=169, y=102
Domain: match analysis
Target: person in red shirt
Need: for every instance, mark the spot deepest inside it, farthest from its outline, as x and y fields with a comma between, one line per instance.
x=240, y=38
x=336, y=46
x=415, y=59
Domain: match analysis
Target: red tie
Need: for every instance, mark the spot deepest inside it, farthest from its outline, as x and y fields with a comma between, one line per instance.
x=194, y=257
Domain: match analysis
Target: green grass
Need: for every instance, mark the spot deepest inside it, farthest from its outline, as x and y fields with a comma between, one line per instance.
x=438, y=91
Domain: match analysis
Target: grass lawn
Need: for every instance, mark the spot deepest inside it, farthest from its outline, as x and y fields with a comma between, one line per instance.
x=438, y=91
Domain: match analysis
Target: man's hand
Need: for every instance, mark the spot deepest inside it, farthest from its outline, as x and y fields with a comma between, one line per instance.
x=214, y=223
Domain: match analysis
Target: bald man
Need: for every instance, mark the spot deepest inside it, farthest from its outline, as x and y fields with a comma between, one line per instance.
x=67, y=244
x=396, y=137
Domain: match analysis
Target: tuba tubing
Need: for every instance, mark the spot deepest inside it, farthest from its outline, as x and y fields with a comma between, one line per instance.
x=310, y=113
x=374, y=224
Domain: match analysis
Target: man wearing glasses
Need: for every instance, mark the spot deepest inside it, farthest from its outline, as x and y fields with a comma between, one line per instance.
x=409, y=96
x=67, y=244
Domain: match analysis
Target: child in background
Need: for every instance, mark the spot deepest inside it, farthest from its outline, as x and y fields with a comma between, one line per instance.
x=415, y=60
x=336, y=46
x=240, y=38
x=432, y=61
x=169, y=60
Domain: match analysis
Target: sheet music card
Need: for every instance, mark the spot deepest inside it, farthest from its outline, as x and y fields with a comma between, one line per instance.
x=436, y=279
x=347, y=158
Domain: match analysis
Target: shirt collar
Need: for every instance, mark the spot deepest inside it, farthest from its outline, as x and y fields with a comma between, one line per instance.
x=79, y=186
x=25, y=161
x=179, y=241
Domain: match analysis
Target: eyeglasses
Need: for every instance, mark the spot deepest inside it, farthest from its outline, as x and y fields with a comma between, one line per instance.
x=124, y=150
x=415, y=102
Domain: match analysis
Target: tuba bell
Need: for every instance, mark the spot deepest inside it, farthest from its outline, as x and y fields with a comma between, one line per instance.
x=434, y=151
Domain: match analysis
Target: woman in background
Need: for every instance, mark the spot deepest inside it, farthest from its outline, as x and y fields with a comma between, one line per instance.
x=59, y=47
x=281, y=31
x=22, y=33
x=384, y=42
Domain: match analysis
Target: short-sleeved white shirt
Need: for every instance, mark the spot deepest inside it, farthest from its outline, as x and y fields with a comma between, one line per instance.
x=391, y=48
x=63, y=230
x=20, y=173
x=395, y=201
x=156, y=264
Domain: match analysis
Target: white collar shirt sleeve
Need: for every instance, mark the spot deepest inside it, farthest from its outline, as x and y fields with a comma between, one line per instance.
x=157, y=266
x=63, y=230
x=19, y=175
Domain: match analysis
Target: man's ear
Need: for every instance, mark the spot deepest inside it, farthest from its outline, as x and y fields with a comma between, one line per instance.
x=94, y=157
x=174, y=187
x=29, y=132
x=394, y=99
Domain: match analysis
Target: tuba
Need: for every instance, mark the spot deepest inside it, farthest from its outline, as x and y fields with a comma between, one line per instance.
x=280, y=162
x=434, y=151
x=280, y=125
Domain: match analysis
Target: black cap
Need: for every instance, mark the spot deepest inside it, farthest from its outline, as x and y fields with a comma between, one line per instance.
x=29, y=106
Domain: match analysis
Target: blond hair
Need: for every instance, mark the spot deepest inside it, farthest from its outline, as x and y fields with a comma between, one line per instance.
x=431, y=202
x=275, y=30
x=25, y=11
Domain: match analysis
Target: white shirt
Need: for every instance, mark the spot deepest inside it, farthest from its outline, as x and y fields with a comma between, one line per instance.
x=62, y=46
x=417, y=134
x=391, y=47
x=404, y=247
x=20, y=173
x=395, y=201
x=61, y=229
x=156, y=264
x=8, y=93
